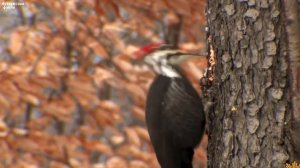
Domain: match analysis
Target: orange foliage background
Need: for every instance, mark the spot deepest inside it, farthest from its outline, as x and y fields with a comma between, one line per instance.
x=70, y=93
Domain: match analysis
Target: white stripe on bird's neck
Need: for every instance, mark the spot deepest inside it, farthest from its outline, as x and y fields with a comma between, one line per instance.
x=160, y=64
x=169, y=71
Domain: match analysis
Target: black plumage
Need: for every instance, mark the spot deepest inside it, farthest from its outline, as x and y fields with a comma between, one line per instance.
x=175, y=116
x=175, y=120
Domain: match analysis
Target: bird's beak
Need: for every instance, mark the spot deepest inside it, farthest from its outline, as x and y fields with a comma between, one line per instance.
x=182, y=57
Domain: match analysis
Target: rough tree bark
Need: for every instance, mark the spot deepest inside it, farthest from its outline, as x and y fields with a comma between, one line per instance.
x=252, y=123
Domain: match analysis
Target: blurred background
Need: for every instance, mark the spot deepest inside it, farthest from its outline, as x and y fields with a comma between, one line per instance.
x=71, y=94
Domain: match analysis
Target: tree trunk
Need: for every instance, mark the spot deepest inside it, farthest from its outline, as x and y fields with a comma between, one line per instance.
x=250, y=123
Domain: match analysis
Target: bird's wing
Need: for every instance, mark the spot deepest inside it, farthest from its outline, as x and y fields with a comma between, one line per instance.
x=183, y=113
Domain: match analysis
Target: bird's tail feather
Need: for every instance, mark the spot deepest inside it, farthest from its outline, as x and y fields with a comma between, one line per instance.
x=187, y=158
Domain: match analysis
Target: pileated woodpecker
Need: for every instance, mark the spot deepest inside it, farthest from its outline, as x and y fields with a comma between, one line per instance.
x=175, y=116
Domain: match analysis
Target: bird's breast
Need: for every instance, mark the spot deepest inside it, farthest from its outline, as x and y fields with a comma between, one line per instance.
x=174, y=106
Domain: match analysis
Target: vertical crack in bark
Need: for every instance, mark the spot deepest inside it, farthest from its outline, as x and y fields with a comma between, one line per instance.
x=292, y=25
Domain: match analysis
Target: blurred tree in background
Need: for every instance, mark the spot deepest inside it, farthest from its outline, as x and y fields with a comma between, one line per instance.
x=71, y=95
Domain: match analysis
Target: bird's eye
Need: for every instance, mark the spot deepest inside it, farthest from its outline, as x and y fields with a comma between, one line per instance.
x=169, y=56
x=172, y=55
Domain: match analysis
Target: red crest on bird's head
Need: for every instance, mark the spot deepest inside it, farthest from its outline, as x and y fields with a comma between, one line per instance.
x=146, y=50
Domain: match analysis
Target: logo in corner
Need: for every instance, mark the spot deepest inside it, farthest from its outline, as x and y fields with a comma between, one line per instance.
x=10, y=5
x=292, y=165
